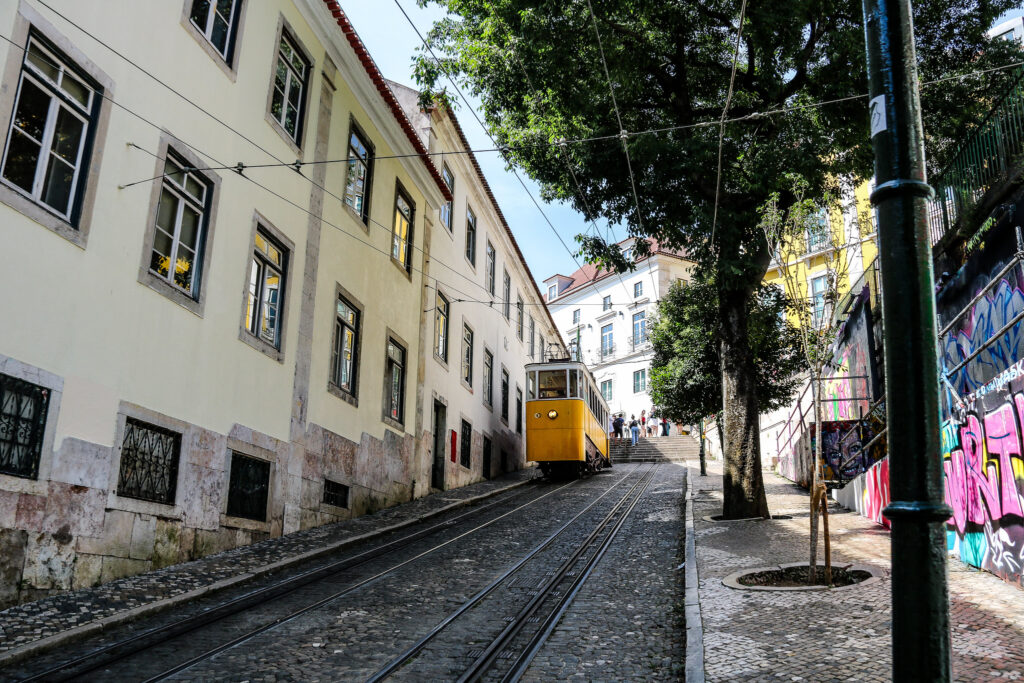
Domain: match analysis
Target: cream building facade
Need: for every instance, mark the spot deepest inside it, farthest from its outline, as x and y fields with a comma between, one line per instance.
x=220, y=241
x=604, y=318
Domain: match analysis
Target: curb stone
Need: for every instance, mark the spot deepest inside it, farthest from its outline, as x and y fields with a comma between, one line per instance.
x=691, y=597
x=43, y=645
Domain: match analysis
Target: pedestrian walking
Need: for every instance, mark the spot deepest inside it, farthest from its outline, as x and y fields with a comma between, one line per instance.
x=643, y=421
x=634, y=430
x=664, y=426
x=618, y=424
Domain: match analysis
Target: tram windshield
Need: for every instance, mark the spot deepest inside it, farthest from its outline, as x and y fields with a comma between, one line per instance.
x=552, y=383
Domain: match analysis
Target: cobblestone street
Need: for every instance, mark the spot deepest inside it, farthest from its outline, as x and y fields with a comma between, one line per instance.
x=837, y=635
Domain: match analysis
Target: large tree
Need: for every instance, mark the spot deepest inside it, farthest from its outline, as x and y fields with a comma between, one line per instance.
x=539, y=72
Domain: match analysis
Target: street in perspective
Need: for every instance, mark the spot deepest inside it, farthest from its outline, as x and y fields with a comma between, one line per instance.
x=495, y=340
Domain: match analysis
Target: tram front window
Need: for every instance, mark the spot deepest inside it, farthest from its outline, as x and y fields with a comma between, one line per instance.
x=552, y=383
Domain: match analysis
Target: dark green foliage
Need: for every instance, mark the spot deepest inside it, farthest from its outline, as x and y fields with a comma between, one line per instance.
x=686, y=377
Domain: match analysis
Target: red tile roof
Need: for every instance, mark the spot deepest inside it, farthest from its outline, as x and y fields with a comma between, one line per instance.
x=591, y=273
x=389, y=98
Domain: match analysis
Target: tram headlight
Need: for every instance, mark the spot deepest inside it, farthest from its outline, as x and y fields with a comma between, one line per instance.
x=552, y=414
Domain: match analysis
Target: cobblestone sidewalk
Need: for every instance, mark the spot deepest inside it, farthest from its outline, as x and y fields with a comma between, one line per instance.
x=32, y=625
x=830, y=635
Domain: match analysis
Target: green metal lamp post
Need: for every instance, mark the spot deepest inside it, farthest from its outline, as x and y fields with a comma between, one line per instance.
x=920, y=602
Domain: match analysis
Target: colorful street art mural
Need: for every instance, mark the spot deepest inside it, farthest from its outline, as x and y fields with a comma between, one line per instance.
x=846, y=395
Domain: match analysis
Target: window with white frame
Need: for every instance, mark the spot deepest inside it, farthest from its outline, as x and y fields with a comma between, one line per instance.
x=394, y=382
x=291, y=73
x=533, y=337
x=441, y=326
x=818, y=232
x=819, y=286
x=181, y=217
x=639, y=328
x=488, y=378
x=606, y=389
x=519, y=317
x=640, y=381
x=401, y=233
x=491, y=267
x=638, y=290
x=607, y=341
x=217, y=20
x=467, y=355
x=507, y=293
x=263, y=312
x=55, y=110
x=606, y=304
x=471, y=235
x=360, y=163
x=552, y=291
x=576, y=317
x=345, y=360
x=446, y=208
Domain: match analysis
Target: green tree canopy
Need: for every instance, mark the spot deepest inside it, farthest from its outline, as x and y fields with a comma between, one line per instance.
x=686, y=378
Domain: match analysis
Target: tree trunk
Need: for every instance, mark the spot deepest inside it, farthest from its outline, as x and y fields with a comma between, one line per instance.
x=742, y=485
x=815, y=479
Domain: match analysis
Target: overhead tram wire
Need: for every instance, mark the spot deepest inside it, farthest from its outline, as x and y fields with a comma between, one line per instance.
x=725, y=111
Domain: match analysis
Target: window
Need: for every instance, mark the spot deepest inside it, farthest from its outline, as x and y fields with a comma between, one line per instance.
x=552, y=291
x=181, y=216
x=531, y=385
x=574, y=349
x=638, y=290
x=543, y=348
x=606, y=390
x=263, y=309
x=335, y=494
x=640, y=381
x=287, y=102
x=149, y=462
x=441, y=327
x=23, y=407
x=446, y=208
x=248, y=487
x=218, y=22
x=360, y=163
x=818, y=237
x=346, y=347
x=401, y=233
x=519, y=410
x=504, y=395
x=576, y=317
x=488, y=378
x=639, y=328
x=552, y=384
x=471, y=235
x=467, y=355
x=507, y=293
x=491, y=265
x=533, y=336
x=54, y=113
x=606, y=304
x=466, y=449
x=519, y=317
x=607, y=341
x=394, y=382
x=819, y=285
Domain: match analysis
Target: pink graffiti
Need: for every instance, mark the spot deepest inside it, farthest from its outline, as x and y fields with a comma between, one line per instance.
x=876, y=491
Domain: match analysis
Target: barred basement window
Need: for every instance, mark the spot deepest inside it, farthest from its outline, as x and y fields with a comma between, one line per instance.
x=335, y=494
x=466, y=451
x=149, y=462
x=22, y=422
x=248, y=487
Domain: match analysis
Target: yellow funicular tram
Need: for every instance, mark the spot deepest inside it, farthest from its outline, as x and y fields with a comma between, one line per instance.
x=566, y=419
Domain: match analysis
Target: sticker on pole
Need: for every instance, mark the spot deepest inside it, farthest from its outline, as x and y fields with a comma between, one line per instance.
x=876, y=107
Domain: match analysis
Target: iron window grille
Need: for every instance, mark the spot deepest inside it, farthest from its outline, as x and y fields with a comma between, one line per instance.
x=346, y=347
x=488, y=378
x=266, y=290
x=218, y=22
x=51, y=128
x=248, y=488
x=467, y=355
x=394, y=376
x=504, y=395
x=360, y=167
x=291, y=73
x=466, y=449
x=180, y=226
x=335, y=494
x=401, y=233
x=471, y=235
x=23, y=407
x=491, y=268
x=149, y=462
x=446, y=208
x=441, y=326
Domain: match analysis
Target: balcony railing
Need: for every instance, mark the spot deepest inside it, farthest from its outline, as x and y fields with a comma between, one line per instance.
x=639, y=343
x=981, y=162
x=607, y=351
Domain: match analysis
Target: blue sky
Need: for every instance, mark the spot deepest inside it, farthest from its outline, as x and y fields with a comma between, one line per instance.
x=393, y=42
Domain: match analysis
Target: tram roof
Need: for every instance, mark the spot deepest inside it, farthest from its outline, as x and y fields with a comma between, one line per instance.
x=561, y=365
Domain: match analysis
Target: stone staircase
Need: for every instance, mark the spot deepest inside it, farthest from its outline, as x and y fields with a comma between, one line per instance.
x=673, y=448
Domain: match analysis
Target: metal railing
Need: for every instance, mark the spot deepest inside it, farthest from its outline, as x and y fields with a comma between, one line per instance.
x=638, y=343
x=980, y=163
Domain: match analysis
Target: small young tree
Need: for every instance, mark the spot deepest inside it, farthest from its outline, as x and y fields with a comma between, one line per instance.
x=813, y=261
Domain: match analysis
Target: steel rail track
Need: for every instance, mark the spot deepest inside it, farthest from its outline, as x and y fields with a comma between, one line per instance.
x=492, y=651
x=127, y=647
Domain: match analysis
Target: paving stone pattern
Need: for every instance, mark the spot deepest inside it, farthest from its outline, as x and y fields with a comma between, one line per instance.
x=32, y=621
x=841, y=635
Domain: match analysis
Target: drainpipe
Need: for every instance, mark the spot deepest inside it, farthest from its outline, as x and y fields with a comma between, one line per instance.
x=920, y=602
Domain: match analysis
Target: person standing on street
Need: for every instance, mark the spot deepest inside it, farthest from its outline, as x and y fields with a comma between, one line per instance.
x=643, y=421
x=634, y=430
x=619, y=422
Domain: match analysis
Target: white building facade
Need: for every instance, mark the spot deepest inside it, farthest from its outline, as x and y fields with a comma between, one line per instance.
x=604, y=318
